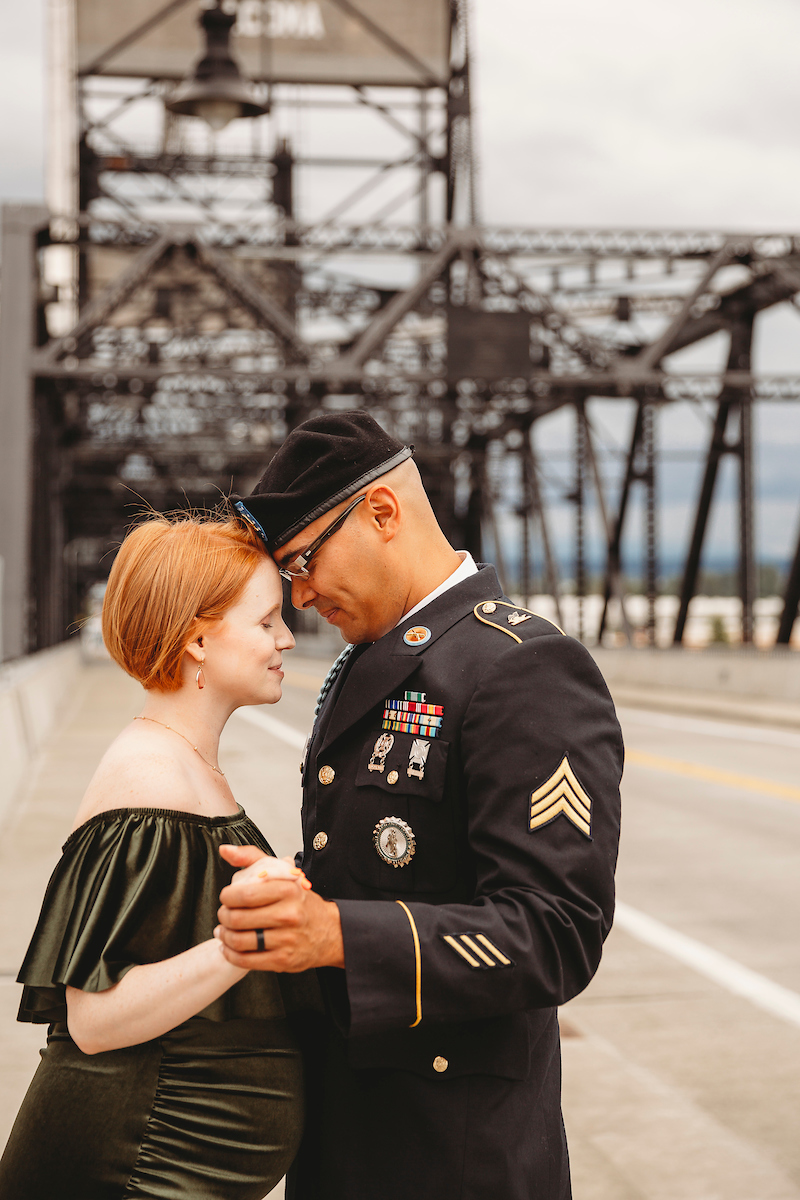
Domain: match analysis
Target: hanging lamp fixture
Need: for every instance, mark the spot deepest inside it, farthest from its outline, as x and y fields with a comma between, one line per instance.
x=216, y=91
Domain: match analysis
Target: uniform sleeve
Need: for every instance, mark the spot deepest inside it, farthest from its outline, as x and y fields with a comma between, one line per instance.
x=542, y=758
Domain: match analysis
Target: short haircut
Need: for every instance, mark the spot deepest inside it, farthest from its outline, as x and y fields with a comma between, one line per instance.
x=173, y=576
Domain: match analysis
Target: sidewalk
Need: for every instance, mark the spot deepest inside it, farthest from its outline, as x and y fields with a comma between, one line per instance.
x=721, y=706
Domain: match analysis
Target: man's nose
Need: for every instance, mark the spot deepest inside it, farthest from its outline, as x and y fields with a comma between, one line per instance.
x=303, y=594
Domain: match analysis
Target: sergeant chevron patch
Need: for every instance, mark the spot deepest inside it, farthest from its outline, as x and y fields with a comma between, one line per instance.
x=562, y=793
x=477, y=950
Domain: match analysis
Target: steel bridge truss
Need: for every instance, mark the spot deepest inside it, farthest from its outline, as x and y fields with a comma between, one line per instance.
x=197, y=345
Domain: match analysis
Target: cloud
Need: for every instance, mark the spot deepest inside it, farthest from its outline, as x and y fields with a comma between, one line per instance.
x=635, y=113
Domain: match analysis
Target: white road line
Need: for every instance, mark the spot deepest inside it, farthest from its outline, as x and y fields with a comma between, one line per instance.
x=726, y=972
x=278, y=729
x=721, y=729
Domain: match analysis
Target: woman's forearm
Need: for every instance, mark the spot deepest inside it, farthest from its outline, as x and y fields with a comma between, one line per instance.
x=150, y=999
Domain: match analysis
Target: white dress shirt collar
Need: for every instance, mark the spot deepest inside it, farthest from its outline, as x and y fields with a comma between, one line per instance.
x=461, y=573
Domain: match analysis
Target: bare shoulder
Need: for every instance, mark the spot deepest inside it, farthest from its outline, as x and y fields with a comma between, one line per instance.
x=140, y=769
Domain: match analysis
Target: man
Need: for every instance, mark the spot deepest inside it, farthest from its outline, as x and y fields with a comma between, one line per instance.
x=460, y=821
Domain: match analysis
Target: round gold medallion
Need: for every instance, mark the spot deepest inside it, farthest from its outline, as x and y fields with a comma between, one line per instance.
x=440, y=1064
x=320, y=841
x=490, y=607
x=392, y=777
x=394, y=841
x=326, y=775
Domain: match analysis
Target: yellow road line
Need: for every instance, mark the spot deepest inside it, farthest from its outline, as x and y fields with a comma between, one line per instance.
x=675, y=766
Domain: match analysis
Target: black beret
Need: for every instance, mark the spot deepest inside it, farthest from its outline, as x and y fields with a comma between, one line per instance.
x=322, y=462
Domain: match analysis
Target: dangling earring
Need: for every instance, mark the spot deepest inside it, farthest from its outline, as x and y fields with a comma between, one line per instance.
x=200, y=678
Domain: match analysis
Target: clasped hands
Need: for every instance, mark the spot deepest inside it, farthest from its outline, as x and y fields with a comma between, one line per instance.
x=298, y=928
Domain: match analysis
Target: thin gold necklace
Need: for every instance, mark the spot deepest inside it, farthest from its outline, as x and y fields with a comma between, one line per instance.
x=183, y=735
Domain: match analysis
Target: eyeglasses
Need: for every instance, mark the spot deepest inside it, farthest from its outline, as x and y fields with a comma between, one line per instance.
x=297, y=568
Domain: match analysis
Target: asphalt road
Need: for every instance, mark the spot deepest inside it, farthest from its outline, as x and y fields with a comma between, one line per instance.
x=682, y=1058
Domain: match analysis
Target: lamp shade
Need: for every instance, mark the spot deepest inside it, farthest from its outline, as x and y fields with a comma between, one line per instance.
x=216, y=91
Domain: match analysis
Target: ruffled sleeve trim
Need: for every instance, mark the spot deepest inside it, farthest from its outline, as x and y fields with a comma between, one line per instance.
x=136, y=886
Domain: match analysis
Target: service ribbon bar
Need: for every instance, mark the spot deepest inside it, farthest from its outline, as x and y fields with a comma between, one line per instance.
x=406, y=727
x=415, y=719
x=413, y=706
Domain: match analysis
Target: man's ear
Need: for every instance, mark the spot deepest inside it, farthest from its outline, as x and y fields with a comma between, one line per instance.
x=383, y=510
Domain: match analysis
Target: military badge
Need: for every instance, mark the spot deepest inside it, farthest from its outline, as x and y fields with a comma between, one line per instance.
x=418, y=635
x=417, y=757
x=381, y=748
x=394, y=841
x=562, y=794
x=516, y=618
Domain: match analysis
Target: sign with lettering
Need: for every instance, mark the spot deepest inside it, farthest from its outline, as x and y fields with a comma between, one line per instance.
x=402, y=43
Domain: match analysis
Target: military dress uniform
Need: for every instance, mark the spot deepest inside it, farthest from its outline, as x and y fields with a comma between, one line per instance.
x=461, y=807
x=475, y=889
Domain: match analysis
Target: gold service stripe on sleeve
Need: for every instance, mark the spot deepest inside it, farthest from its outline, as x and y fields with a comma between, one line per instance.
x=490, y=946
x=480, y=953
x=418, y=962
x=675, y=766
x=459, y=949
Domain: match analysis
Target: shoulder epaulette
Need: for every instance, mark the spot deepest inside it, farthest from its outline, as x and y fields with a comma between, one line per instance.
x=502, y=615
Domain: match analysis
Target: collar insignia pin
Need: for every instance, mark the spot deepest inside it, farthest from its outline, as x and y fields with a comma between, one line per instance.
x=516, y=618
x=417, y=636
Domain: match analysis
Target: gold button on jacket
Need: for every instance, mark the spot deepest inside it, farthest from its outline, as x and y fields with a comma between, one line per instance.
x=320, y=841
x=326, y=775
x=440, y=1064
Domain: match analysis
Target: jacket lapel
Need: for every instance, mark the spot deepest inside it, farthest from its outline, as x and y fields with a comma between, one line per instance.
x=385, y=665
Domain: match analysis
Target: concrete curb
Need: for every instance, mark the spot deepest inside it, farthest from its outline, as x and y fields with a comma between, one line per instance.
x=33, y=694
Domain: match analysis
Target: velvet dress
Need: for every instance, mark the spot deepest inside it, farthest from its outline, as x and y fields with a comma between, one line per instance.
x=213, y=1110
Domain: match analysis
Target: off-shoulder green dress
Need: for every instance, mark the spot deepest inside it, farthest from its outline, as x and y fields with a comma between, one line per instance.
x=214, y=1109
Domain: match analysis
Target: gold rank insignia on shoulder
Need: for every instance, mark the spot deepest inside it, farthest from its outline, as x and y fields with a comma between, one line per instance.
x=499, y=614
x=477, y=951
x=394, y=841
x=562, y=794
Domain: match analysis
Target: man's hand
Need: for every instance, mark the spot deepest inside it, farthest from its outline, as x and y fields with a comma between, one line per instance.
x=300, y=929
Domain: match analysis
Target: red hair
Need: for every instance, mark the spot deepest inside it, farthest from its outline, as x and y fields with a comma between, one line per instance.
x=172, y=576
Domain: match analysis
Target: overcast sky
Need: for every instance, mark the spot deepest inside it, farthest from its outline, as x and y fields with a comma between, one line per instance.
x=624, y=112
x=620, y=112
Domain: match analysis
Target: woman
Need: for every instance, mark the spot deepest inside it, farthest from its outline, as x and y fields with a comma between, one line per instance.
x=168, y=1072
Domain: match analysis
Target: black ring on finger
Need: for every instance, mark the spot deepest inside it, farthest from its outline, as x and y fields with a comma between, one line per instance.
x=259, y=939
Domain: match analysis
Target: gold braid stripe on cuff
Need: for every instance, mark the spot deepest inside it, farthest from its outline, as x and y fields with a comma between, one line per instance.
x=418, y=959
